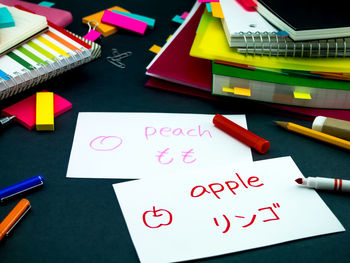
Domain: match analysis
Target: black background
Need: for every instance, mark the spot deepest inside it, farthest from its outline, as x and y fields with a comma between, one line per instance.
x=79, y=220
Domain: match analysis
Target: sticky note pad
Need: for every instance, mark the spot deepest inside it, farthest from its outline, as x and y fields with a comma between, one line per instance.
x=125, y=22
x=105, y=29
x=300, y=95
x=177, y=19
x=46, y=3
x=6, y=19
x=216, y=10
x=44, y=118
x=155, y=49
x=150, y=21
x=24, y=110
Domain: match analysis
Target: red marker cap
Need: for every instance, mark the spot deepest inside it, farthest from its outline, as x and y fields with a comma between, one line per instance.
x=241, y=134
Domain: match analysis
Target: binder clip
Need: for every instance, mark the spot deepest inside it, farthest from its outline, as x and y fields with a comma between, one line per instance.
x=92, y=34
x=116, y=58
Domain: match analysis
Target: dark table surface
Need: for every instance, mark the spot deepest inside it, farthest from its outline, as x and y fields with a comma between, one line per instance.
x=79, y=220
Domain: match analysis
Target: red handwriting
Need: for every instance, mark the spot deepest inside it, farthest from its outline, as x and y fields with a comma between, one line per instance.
x=271, y=216
x=168, y=132
x=156, y=218
x=105, y=143
x=164, y=156
x=216, y=188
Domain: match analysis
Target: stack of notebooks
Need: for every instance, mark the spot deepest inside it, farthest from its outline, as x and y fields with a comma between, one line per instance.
x=35, y=50
x=244, y=55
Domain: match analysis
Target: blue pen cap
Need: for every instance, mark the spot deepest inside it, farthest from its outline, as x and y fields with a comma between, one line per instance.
x=21, y=187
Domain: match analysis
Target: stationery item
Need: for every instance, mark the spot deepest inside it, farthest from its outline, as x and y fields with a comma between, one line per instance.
x=24, y=110
x=315, y=134
x=13, y=218
x=6, y=19
x=173, y=63
x=155, y=49
x=221, y=209
x=46, y=3
x=216, y=10
x=105, y=29
x=208, y=6
x=184, y=15
x=21, y=187
x=335, y=127
x=289, y=88
x=178, y=19
x=240, y=24
x=241, y=134
x=27, y=26
x=58, y=17
x=207, y=1
x=42, y=58
x=44, y=111
x=5, y=122
x=92, y=34
x=325, y=183
x=211, y=43
x=150, y=21
x=315, y=20
x=125, y=145
x=123, y=21
x=117, y=57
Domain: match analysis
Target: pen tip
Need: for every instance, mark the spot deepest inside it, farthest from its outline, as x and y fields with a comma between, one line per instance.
x=299, y=180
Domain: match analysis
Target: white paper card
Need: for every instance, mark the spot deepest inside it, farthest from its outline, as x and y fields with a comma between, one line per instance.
x=222, y=210
x=141, y=145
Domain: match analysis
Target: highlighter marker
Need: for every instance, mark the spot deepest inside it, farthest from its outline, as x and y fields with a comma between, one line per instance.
x=14, y=217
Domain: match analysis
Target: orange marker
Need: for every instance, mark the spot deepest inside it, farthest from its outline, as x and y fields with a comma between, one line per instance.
x=14, y=217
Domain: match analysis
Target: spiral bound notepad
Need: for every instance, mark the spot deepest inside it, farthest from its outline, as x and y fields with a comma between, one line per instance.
x=42, y=58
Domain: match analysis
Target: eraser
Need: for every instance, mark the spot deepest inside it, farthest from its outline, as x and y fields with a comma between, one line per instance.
x=44, y=111
x=123, y=21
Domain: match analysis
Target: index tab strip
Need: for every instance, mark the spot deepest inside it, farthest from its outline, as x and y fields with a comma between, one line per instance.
x=44, y=111
x=241, y=91
x=301, y=95
x=216, y=10
x=208, y=5
x=184, y=15
x=248, y=3
x=155, y=49
x=207, y=1
x=46, y=3
x=227, y=89
x=177, y=19
x=150, y=21
x=6, y=19
x=124, y=22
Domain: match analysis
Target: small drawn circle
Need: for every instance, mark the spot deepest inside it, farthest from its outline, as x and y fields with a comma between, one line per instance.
x=105, y=143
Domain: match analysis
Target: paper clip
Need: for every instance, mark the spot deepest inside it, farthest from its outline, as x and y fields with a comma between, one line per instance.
x=116, y=58
x=13, y=218
x=21, y=187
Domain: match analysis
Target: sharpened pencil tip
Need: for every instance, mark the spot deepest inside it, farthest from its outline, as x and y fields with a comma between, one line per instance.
x=282, y=123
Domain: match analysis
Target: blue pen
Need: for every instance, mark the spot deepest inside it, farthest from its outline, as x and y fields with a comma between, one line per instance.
x=21, y=187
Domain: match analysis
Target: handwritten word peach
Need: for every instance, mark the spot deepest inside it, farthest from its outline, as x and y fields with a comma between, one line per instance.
x=168, y=132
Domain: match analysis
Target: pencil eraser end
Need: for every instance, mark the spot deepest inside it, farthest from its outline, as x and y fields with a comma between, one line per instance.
x=318, y=123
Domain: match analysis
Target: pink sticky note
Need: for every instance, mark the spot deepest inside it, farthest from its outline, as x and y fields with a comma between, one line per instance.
x=125, y=22
x=184, y=15
x=92, y=35
x=25, y=110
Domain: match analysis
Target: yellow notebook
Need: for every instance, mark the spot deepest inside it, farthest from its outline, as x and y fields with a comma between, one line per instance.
x=27, y=25
x=211, y=43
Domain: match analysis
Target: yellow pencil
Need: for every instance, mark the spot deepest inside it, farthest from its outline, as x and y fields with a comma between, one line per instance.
x=315, y=134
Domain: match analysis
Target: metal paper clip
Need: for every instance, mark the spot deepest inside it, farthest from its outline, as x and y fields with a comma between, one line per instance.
x=116, y=58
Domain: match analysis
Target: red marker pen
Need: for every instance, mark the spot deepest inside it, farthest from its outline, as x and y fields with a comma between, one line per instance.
x=241, y=134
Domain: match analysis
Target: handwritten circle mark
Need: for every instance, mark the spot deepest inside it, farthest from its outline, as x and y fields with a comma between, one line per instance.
x=105, y=143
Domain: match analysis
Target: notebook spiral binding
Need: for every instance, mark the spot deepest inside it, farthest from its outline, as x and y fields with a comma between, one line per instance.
x=272, y=44
x=29, y=78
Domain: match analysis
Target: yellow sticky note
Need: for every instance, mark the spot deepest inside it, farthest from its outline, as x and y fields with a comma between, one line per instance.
x=169, y=37
x=216, y=10
x=300, y=95
x=44, y=111
x=227, y=89
x=241, y=91
x=104, y=29
x=155, y=49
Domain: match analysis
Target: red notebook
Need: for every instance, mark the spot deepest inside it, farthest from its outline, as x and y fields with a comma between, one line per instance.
x=174, y=63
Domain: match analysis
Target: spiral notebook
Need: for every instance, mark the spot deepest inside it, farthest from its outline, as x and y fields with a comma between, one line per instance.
x=42, y=58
